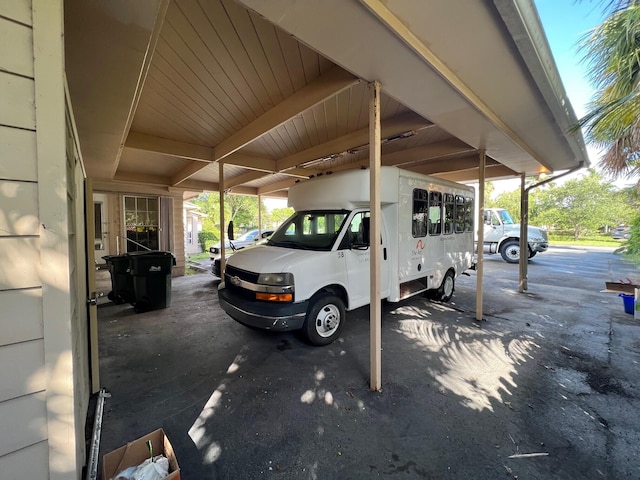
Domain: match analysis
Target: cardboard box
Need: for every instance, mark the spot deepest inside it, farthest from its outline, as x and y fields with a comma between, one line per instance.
x=628, y=288
x=136, y=452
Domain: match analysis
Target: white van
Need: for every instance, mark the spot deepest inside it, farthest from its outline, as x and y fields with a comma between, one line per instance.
x=316, y=264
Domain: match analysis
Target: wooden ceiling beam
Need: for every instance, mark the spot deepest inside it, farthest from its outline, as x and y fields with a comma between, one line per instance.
x=326, y=86
x=394, y=126
x=245, y=177
x=446, y=165
x=426, y=153
x=491, y=172
x=276, y=186
x=150, y=143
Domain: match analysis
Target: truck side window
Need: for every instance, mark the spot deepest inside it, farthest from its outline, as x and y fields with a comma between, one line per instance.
x=435, y=213
x=460, y=214
x=420, y=209
x=468, y=214
x=358, y=233
x=448, y=213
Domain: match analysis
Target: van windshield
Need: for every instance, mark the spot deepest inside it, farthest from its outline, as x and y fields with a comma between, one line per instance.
x=310, y=230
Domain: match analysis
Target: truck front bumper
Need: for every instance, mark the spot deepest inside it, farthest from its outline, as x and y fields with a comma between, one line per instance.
x=279, y=317
x=539, y=247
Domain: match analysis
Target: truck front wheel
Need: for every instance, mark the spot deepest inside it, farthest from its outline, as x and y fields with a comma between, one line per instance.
x=324, y=320
x=510, y=251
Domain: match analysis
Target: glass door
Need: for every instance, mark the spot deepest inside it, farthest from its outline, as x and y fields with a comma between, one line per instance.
x=141, y=221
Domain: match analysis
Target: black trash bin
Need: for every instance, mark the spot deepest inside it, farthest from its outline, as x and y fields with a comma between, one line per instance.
x=151, y=273
x=121, y=280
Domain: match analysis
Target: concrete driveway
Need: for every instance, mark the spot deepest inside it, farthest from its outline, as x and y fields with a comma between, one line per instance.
x=547, y=387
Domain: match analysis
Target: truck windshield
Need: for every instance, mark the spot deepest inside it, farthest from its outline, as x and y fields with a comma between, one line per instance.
x=310, y=230
x=505, y=217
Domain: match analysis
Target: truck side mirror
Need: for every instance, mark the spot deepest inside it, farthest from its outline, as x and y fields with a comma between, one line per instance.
x=230, y=231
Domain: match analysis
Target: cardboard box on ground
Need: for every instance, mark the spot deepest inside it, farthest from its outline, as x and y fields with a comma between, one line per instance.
x=136, y=452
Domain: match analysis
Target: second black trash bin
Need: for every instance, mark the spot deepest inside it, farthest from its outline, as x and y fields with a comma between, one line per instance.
x=151, y=273
x=121, y=279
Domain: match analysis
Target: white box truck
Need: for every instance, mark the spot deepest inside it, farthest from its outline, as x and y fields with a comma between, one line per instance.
x=502, y=235
x=316, y=264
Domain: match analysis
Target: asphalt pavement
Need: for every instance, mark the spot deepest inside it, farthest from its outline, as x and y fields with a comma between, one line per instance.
x=546, y=387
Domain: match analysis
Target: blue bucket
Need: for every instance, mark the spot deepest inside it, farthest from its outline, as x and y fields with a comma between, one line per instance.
x=629, y=302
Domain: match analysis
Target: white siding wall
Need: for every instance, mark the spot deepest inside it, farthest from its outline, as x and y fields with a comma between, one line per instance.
x=44, y=377
x=24, y=452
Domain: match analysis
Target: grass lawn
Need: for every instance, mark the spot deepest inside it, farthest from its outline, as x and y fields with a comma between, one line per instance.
x=590, y=241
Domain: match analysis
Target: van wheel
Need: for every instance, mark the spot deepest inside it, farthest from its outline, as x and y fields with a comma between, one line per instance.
x=324, y=320
x=510, y=251
x=532, y=253
x=445, y=292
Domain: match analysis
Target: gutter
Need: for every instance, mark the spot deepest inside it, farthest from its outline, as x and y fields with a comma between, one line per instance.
x=524, y=222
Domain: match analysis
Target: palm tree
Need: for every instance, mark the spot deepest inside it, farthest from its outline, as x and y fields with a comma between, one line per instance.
x=612, y=52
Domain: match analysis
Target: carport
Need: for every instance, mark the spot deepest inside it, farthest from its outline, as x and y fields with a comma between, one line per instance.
x=169, y=98
x=249, y=97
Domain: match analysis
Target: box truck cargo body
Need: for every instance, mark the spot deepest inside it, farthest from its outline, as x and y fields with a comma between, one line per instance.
x=316, y=265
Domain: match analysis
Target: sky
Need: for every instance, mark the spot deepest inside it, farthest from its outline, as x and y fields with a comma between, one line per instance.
x=565, y=22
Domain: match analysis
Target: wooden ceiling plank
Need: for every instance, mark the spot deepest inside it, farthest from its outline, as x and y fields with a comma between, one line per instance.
x=315, y=92
x=175, y=60
x=201, y=38
x=269, y=40
x=200, y=113
x=242, y=18
x=394, y=126
x=235, y=54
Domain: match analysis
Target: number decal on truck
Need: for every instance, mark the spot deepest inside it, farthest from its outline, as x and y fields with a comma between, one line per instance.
x=340, y=254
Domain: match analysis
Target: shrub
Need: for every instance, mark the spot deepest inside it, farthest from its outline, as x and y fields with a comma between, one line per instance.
x=206, y=239
x=633, y=244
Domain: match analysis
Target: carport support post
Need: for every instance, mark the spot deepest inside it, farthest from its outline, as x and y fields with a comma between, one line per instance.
x=480, y=248
x=259, y=218
x=524, y=230
x=223, y=258
x=375, y=308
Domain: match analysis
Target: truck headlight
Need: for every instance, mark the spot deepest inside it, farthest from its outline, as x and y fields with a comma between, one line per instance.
x=278, y=279
x=276, y=287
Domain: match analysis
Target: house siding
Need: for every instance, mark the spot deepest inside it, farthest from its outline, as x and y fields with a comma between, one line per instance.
x=22, y=387
x=44, y=394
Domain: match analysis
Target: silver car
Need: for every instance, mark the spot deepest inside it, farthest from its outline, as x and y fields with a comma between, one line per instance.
x=244, y=240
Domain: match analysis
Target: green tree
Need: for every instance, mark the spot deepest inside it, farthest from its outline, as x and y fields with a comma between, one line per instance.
x=612, y=123
x=582, y=205
x=279, y=215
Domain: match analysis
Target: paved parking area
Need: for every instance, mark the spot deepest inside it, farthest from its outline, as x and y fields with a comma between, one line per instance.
x=552, y=372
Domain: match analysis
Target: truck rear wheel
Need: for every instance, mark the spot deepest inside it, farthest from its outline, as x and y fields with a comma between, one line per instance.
x=445, y=291
x=510, y=251
x=325, y=320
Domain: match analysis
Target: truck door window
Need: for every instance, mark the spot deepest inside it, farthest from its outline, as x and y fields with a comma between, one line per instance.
x=359, y=230
x=435, y=213
x=420, y=212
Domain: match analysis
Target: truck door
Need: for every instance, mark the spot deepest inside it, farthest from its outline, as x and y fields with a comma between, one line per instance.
x=357, y=253
x=493, y=230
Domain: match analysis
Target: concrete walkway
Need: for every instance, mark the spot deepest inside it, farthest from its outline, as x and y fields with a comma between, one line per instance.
x=553, y=373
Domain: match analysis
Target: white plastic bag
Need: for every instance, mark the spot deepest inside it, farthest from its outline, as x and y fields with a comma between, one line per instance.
x=126, y=474
x=152, y=470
